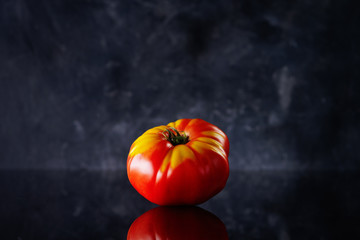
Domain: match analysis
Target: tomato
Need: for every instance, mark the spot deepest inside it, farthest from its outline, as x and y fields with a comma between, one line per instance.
x=182, y=163
x=177, y=223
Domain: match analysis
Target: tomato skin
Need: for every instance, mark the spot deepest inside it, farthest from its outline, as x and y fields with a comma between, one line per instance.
x=177, y=223
x=184, y=174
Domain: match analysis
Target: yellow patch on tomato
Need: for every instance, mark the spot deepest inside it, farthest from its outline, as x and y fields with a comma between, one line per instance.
x=144, y=143
x=203, y=144
x=148, y=140
x=158, y=129
x=214, y=134
x=176, y=156
x=172, y=124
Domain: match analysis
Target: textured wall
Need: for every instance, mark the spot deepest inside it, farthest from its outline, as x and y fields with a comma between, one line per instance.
x=80, y=80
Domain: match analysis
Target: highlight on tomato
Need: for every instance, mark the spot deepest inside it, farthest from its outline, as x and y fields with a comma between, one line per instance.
x=182, y=163
x=177, y=223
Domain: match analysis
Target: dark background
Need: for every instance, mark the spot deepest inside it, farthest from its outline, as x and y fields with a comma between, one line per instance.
x=81, y=80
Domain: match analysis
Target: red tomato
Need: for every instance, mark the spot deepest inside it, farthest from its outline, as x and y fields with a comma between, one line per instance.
x=177, y=223
x=182, y=163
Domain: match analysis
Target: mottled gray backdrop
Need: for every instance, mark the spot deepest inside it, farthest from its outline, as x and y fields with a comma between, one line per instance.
x=80, y=80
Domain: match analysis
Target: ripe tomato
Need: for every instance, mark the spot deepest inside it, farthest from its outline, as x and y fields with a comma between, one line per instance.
x=177, y=223
x=182, y=163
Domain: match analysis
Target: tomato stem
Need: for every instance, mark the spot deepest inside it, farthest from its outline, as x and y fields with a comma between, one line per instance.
x=174, y=137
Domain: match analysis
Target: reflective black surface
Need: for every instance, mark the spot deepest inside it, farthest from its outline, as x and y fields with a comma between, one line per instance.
x=254, y=205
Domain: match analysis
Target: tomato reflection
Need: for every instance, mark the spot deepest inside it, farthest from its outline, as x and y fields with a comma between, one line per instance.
x=173, y=223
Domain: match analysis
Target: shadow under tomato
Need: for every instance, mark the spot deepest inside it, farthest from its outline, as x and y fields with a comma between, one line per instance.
x=173, y=223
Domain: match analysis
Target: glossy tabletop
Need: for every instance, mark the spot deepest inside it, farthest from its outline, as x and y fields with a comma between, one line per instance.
x=253, y=205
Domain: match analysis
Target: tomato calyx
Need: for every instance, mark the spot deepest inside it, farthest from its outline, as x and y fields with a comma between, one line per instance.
x=174, y=137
